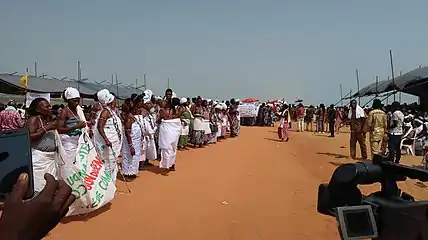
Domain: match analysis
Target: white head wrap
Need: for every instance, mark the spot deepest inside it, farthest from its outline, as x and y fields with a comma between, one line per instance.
x=71, y=93
x=147, y=95
x=183, y=100
x=105, y=97
x=173, y=95
x=218, y=106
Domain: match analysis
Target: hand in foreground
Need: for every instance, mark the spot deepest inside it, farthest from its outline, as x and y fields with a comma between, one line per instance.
x=35, y=218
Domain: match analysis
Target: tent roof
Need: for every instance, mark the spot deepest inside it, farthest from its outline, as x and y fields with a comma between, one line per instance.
x=407, y=83
x=10, y=84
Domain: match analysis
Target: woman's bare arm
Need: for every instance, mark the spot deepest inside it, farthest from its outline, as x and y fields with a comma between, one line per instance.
x=105, y=114
x=36, y=131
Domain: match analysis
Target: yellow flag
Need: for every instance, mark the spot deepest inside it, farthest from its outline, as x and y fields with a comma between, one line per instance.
x=24, y=81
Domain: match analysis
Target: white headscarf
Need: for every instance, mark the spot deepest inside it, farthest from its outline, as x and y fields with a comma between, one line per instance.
x=105, y=97
x=183, y=100
x=71, y=93
x=147, y=95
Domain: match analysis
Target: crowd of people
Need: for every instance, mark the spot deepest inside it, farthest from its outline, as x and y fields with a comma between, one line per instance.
x=390, y=128
x=145, y=127
x=148, y=127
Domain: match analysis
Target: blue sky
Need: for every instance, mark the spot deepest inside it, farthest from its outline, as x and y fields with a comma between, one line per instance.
x=237, y=48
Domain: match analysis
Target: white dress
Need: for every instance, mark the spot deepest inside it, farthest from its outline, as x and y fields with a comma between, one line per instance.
x=140, y=121
x=130, y=164
x=150, y=127
x=113, y=131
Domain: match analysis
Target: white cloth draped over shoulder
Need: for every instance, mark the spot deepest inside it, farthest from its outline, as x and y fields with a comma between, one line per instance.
x=113, y=131
x=359, y=112
x=169, y=133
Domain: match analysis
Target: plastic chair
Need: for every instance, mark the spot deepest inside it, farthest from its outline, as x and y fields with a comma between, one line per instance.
x=410, y=148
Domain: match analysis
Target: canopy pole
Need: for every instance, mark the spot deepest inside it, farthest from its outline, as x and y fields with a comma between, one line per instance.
x=377, y=84
x=387, y=98
x=144, y=81
x=399, y=94
x=358, y=86
x=78, y=75
x=35, y=68
x=392, y=71
x=341, y=96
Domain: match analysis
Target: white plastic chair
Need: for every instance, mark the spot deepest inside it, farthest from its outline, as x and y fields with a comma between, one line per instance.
x=410, y=148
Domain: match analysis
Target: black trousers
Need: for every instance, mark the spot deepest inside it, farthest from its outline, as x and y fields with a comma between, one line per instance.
x=394, y=149
x=331, y=128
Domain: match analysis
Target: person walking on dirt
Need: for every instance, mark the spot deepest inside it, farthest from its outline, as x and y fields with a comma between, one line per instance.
x=284, y=121
x=357, y=117
x=377, y=126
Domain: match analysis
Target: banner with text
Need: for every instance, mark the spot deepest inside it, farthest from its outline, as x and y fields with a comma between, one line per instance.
x=88, y=178
x=31, y=96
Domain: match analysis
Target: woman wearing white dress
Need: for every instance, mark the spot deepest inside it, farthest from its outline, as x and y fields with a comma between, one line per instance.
x=71, y=124
x=149, y=126
x=131, y=148
x=108, y=133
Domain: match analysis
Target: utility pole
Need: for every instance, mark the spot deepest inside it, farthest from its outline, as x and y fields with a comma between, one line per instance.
x=144, y=81
x=341, y=96
x=168, y=83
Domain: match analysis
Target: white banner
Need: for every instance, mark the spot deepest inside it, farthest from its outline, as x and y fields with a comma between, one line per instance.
x=248, y=109
x=31, y=96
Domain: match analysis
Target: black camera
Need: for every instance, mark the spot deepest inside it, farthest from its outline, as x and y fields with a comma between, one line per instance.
x=388, y=214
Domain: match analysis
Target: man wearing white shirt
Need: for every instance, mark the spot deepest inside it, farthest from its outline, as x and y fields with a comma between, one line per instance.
x=395, y=133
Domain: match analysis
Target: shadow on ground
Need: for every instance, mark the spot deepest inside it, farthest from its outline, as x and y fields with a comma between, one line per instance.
x=273, y=139
x=87, y=216
x=336, y=155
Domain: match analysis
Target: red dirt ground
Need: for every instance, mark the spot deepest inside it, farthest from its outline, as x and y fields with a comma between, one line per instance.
x=250, y=187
